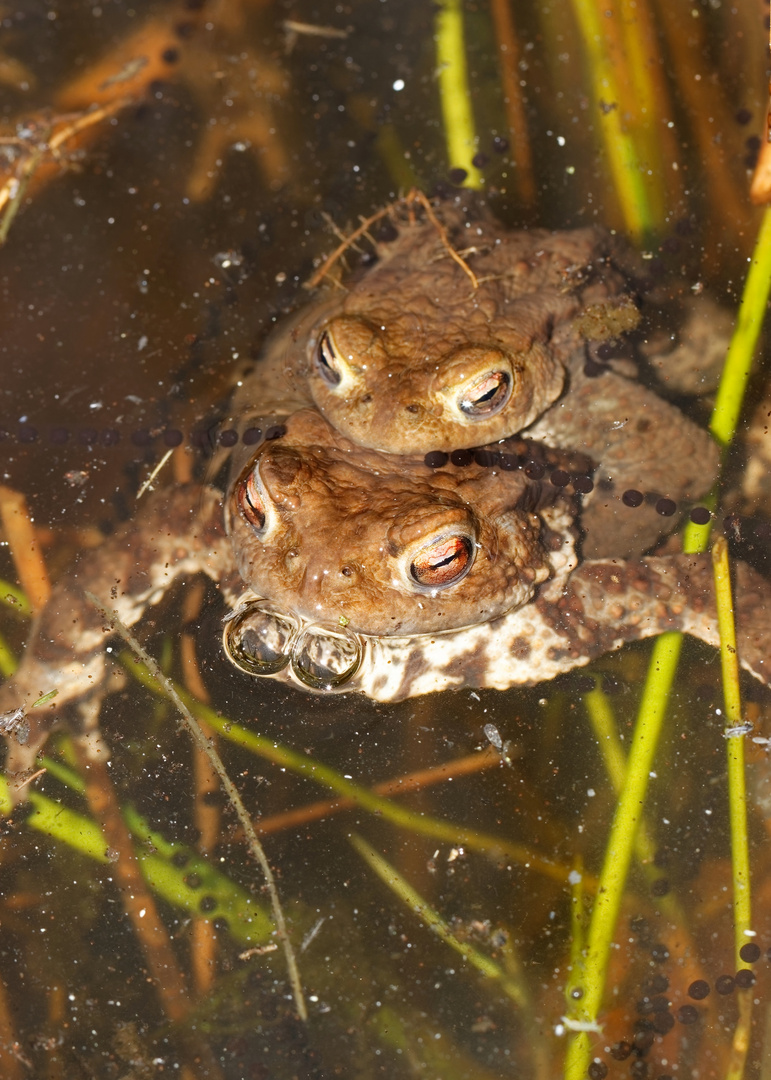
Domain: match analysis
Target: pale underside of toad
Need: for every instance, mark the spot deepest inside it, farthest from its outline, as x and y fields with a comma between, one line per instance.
x=544, y=614
x=413, y=355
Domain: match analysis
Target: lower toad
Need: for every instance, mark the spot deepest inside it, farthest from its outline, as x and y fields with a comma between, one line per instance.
x=473, y=569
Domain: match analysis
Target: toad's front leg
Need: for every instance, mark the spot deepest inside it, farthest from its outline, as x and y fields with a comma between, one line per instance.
x=178, y=533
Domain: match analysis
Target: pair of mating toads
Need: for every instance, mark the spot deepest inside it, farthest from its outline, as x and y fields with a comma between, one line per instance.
x=362, y=543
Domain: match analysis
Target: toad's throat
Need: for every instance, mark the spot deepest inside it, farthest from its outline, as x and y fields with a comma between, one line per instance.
x=264, y=640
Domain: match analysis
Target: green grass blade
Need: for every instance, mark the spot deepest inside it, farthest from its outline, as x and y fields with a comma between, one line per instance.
x=588, y=978
x=415, y=902
x=454, y=90
x=621, y=149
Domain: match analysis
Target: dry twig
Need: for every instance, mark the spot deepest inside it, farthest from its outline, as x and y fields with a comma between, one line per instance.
x=25, y=551
x=415, y=196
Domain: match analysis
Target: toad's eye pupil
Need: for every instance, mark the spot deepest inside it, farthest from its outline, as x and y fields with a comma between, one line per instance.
x=250, y=502
x=488, y=396
x=326, y=360
x=443, y=562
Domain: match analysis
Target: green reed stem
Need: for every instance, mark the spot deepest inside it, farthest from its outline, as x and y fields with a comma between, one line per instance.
x=738, y=364
x=415, y=902
x=737, y=795
x=729, y=658
x=620, y=147
x=661, y=673
x=589, y=976
x=454, y=91
x=389, y=147
x=605, y=729
x=604, y=724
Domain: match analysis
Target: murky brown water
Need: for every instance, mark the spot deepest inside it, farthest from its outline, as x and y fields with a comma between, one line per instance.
x=128, y=295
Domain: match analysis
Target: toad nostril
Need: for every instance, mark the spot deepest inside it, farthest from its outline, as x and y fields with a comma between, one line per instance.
x=346, y=571
x=412, y=408
x=291, y=563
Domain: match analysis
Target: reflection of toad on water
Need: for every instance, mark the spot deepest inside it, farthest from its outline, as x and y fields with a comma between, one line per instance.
x=348, y=568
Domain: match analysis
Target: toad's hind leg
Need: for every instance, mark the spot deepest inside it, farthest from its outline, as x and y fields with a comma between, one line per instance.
x=642, y=445
x=608, y=603
x=178, y=533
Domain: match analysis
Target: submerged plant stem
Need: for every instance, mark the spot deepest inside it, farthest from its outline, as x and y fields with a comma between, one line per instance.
x=737, y=795
x=621, y=149
x=589, y=975
x=230, y=790
x=738, y=362
x=734, y=742
x=677, y=934
x=415, y=902
x=454, y=90
x=605, y=729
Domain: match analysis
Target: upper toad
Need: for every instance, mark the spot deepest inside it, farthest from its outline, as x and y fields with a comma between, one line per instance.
x=463, y=333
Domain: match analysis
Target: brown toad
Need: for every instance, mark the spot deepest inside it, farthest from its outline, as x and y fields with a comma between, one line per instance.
x=338, y=540
x=477, y=564
x=463, y=333
x=335, y=531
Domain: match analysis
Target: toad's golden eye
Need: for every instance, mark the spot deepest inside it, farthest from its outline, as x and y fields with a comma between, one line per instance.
x=486, y=397
x=443, y=562
x=327, y=360
x=250, y=501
